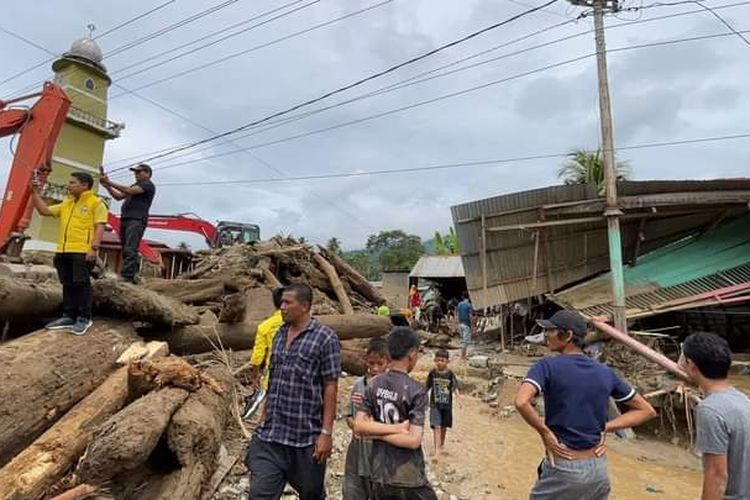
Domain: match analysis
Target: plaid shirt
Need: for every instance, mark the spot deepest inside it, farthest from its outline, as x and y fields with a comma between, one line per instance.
x=294, y=405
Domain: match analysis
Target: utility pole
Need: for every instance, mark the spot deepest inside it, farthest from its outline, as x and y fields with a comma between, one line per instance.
x=612, y=211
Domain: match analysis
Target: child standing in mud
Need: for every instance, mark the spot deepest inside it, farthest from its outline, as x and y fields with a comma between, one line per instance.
x=393, y=413
x=357, y=469
x=441, y=384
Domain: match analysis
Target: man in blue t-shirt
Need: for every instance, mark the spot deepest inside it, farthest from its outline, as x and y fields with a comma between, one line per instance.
x=464, y=312
x=576, y=391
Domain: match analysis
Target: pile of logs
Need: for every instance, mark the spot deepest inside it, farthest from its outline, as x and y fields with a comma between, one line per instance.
x=73, y=416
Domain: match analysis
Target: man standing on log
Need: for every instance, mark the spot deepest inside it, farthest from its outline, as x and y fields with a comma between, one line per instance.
x=133, y=215
x=82, y=218
x=294, y=440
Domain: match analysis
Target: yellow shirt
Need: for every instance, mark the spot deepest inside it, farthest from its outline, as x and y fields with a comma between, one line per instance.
x=78, y=220
x=263, y=346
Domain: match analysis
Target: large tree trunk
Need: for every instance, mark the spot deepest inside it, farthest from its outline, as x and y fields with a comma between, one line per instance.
x=48, y=458
x=139, y=303
x=191, y=291
x=23, y=298
x=356, y=280
x=338, y=287
x=353, y=360
x=127, y=439
x=46, y=373
x=194, y=339
x=19, y=298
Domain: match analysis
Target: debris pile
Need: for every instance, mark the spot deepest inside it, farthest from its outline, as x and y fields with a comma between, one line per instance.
x=152, y=424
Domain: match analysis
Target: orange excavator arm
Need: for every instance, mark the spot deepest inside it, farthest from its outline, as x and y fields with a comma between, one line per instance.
x=38, y=129
x=180, y=222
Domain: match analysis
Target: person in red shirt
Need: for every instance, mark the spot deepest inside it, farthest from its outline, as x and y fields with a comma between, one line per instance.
x=415, y=301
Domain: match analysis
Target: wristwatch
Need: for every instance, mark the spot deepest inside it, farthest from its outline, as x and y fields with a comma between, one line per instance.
x=325, y=432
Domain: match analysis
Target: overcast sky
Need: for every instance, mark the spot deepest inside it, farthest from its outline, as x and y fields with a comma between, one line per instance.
x=670, y=93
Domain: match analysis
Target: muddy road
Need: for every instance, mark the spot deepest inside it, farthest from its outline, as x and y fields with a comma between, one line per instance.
x=492, y=454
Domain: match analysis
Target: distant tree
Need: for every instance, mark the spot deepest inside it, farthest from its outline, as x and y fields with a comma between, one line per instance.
x=396, y=250
x=183, y=245
x=363, y=262
x=584, y=167
x=447, y=244
x=334, y=246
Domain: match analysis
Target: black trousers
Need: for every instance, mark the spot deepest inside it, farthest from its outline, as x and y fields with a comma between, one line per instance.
x=272, y=465
x=74, y=272
x=131, y=233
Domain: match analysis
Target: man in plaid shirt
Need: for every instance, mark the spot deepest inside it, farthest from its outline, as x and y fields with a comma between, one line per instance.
x=294, y=440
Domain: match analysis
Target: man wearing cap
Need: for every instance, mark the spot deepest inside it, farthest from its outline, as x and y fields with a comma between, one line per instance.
x=133, y=215
x=576, y=391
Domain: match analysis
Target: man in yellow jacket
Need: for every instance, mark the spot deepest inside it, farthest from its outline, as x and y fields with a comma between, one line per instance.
x=261, y=356
x=82, y=218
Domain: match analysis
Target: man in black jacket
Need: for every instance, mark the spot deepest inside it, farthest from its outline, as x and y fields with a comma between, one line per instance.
x=133, y=215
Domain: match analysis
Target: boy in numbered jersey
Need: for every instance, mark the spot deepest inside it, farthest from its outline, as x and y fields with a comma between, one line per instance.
x=393, y=414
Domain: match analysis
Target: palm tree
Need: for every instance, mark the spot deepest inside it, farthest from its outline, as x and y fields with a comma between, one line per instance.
x=334, y=246
x=447, y=244
x=584, y=167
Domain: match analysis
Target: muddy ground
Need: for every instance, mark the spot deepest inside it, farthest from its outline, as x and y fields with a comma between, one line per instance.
x=492, y=454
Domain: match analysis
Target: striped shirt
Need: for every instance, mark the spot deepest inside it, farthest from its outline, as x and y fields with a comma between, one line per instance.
x=294, y=405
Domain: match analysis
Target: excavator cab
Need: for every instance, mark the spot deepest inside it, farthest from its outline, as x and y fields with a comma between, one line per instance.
x=233, y=233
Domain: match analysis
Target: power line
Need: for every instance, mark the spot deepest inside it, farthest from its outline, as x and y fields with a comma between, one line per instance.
x=172, y=27
x=146, y=38
x=210, y=44
x=258, y=47
x=452, y=95
x=109, y=31
x=405, y=83
x=134, y=19
x=253, y=156
x=447, y=166
x=388, y=88
x=228, y=141
x=205, y=37
x=185, y=146
x=358, y=82
x=725, y=23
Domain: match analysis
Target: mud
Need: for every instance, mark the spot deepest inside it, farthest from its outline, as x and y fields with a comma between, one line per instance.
x=492, y=454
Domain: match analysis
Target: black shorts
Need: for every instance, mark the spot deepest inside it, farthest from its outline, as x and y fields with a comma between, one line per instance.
x=440, y=417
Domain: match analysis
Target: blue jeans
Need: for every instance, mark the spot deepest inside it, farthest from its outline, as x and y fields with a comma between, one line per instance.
x=465, y=334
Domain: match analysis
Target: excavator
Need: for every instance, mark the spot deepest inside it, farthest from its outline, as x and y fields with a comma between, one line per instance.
x=223, y=234
x=38, y=127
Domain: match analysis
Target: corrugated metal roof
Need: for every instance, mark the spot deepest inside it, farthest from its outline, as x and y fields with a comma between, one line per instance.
x=709, y=262
x=438, y=266
x=518, y=266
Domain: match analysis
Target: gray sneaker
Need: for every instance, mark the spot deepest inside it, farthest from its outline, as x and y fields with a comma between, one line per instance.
x=62, y=323
x=81, y=326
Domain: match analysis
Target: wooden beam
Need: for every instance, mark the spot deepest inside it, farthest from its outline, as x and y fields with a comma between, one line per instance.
x=543, y=224
x=484, y=260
